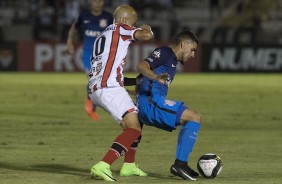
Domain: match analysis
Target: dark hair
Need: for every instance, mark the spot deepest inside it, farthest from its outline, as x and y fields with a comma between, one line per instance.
x=185, y=35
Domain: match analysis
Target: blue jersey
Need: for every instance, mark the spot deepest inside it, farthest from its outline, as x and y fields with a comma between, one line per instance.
x=91, y=26
x=154, y=108
x=161, y=60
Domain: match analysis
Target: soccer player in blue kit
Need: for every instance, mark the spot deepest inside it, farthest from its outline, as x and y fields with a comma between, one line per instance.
x=157, y=72
x=91, y=23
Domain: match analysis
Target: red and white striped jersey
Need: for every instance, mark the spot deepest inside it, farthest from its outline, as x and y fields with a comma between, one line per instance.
x=109, y=52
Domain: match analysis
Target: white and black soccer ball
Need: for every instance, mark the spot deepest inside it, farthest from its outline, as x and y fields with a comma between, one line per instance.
x=209, y=165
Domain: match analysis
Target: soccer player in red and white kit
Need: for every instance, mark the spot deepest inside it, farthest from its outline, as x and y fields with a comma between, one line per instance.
x=106, y=87
x=91, y=23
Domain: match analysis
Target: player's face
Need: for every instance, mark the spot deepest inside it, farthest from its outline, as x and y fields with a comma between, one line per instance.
x=133, y=21
x=97, y=5
x=188, y=50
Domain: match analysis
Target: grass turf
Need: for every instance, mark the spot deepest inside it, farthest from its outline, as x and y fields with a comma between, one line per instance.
x=46, y=137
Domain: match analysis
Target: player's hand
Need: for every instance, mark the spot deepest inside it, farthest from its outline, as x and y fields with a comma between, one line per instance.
x=163, y=78
x=146, y=26
x=69, y=48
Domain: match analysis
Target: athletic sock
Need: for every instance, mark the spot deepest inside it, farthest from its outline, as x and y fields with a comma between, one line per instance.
x=121, y=145
x=180, y=163
x=186, y=140
x=129, y=157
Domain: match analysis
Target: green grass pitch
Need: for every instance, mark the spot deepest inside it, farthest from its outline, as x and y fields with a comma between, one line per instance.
x=47, y=138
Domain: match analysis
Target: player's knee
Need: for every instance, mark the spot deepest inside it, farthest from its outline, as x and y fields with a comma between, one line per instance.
x=196, y=117
x=189, y=115
x=131, y=121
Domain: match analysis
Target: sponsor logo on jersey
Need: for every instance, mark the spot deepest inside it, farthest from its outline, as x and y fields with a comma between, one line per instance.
x=97, y=58
x=92, y=33
x=150, y=59
x=98, y=68
x=103, y=23
x=110, y=28
x=95, y=80
x=157, y=53
x=86, y=21
x=169, y=102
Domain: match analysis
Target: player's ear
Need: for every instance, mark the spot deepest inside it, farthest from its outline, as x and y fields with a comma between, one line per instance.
x=124, y=20
x=182, y=45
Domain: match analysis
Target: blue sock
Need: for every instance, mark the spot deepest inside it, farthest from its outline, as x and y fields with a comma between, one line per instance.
x=186, y=140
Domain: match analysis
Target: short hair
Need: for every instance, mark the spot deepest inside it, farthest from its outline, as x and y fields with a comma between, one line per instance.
x=123, y=9
x=185, y=35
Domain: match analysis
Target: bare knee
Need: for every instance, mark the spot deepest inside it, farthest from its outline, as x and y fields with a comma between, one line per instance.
x=189, y=115
x=197, y=117
x=131, y=121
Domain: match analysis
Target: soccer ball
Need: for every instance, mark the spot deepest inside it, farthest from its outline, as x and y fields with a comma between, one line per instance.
x=209, y=165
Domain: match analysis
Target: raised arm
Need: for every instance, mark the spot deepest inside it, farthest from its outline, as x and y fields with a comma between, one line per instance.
x=145, y=33
x=145, y=69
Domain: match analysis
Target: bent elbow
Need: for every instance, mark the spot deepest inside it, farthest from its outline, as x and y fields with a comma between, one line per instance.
x=148, y=35
x=144, y=35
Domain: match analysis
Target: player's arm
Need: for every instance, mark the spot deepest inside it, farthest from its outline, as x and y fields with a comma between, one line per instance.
x=145, y=69
x=69, y=46
x=145, y=33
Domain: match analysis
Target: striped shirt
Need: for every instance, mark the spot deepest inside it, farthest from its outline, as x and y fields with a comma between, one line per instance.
x=108, y=58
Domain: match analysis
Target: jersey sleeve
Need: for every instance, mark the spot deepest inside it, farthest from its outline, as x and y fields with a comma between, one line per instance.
x=127, y=32
x=158, y=57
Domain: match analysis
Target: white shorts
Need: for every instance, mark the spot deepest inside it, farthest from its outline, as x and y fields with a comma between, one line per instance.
x=115, y=101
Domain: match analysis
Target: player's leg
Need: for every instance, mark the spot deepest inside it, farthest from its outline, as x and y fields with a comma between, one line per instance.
x=129, y=157
x=188, y=133
x=167, y=114
x=129, y=168
x=124, y=111
x=120, y=146
x=186, y=141
x=158, y=112
x=90, y=106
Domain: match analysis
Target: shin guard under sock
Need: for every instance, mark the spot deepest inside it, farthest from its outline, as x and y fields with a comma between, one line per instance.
x=186, y=140
x=121, y=145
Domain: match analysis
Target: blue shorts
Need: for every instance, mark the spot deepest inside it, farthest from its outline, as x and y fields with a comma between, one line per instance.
x=160, y=112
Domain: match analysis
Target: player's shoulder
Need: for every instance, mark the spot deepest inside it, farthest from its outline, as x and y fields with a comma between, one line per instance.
x=161, y=53
x=164, y=51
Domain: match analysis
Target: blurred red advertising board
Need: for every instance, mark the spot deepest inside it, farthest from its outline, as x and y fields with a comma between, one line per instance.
x=51, y=56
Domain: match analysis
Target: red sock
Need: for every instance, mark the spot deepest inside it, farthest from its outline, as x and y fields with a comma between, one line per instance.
x=121, y=145
x=129, y=157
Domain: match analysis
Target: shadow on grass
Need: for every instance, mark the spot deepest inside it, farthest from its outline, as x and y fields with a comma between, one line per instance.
x=155, y=175
x=49, y=168
x=159, y=176
x=66, y=169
